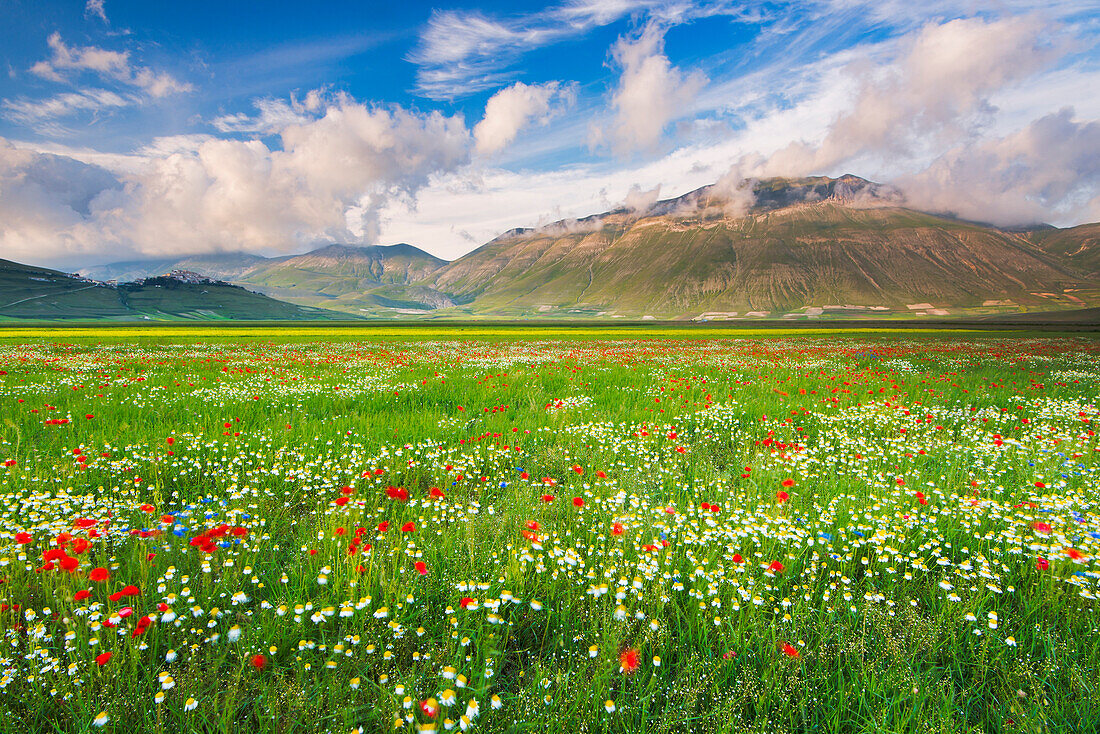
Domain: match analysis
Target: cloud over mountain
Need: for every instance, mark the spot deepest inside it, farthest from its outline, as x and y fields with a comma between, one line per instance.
x=328, y=180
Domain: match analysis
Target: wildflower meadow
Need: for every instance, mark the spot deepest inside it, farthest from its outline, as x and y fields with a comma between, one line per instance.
x=573, y=533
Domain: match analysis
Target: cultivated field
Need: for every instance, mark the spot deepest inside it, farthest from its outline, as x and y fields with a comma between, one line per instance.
x=569, y=531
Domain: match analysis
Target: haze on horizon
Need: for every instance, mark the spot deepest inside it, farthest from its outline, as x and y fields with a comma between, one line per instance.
x=131, y=130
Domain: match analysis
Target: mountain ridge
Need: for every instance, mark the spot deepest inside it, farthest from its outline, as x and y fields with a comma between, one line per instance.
x=788, y=247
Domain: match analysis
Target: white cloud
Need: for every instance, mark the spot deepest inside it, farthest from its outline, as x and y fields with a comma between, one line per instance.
x=1048, y=170
x=192, y=194
x=275, y=114
x=46, y=201
x=108, y=65
x=463, y=52
x=514, y=108
x=33, y=112
x=929, y=117
x=937, y=93
x=640, y=200
x=95, y=8
x=651, y=91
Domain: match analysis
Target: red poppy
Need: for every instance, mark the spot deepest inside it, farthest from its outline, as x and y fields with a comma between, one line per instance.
x=628, y=660
x=99, y=574
x=1040, y=527
x=787, y=482
x=397, y=493
x=147, y=508
x=258, y=661
x=23, y=538
x=532, y=525
x=436, y=492
x=383, y=526
x=341, y=501
x=578, y=502
x=124, y=592
x=421, y=568
x=102, y=659
x=465, y=602
x=1040, y=485
x=790, y=650
x=617, y=528
x=545, y=498
x=84, y=522
x=1042, y=564
x=601, y=474
x=776, y=567
x=81, y=595
x=737, y=558
x=577, y=468
x=408, y=527
x=430, y=709
x=1074, y=553
x=782, y=497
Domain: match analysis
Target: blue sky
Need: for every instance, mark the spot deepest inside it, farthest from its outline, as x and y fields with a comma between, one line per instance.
x=133, y=130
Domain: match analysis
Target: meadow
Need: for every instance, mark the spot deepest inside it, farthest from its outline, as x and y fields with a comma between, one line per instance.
x=558, y=531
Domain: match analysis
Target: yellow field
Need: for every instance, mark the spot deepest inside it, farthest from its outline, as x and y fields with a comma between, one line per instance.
x=431, y=331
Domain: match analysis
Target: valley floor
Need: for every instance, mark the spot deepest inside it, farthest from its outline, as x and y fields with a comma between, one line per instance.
x=569, y=529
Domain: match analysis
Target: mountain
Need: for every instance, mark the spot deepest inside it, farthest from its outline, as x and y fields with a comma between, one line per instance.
x=787, y=247
x=227, y=266
x=814, y=247
x=375, y=279
x=28, y=292
x=1079, y=246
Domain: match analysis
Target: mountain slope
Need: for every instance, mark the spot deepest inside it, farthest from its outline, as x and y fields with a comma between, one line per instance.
x=374, y=279
x=27, y=292
x=1080, y=246
x=807, y=243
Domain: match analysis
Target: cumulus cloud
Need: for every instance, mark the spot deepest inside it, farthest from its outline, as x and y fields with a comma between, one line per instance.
x=273, y=114
x=46, y=201
x=929, y=110
x=331, y=176
x=107, y=64
x=514, y=108
x=651, y=92
x=936, y=93
x=1048, y=169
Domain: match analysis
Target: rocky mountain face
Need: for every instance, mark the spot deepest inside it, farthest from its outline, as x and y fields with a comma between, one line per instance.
x=801, y=246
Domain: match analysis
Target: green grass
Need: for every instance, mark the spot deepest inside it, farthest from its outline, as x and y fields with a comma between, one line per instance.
x=266, y=428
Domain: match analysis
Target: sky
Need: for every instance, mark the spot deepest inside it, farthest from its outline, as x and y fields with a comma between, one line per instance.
x=138, y=130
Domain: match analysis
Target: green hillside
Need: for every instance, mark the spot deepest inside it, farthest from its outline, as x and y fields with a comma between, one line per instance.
x=1079, y=246
x=373, y=280
x=27, y=292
